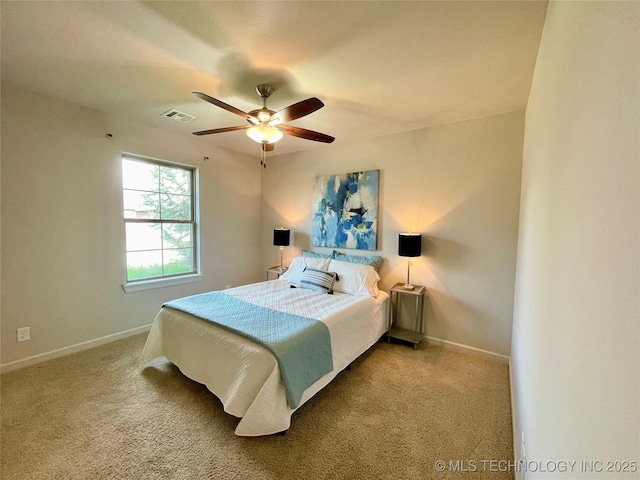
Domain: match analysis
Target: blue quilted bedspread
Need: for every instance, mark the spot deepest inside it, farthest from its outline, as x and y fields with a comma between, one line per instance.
x=301, y=345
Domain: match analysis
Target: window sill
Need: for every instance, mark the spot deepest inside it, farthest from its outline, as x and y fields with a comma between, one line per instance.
x=160, y=283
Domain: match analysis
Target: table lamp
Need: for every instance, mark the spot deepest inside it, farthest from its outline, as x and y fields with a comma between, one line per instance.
x=409, y=245
x=281, y=238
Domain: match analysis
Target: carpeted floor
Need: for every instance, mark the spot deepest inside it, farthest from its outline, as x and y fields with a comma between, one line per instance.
x=103, y=413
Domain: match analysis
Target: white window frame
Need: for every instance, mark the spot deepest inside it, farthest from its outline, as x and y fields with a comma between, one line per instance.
x=174, y=279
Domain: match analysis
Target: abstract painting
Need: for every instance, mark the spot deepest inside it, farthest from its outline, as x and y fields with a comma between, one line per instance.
x=345, y=210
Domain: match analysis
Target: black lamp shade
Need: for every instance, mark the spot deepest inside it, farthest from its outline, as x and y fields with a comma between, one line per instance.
x=281, y=237
x=410, y=245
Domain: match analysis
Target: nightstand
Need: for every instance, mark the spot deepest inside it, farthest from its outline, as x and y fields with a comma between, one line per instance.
x=412, y=336
x=276, y=270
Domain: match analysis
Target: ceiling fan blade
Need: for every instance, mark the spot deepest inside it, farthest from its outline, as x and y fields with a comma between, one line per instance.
x=306, y=134
x=221, y=130
x=297, y=110
x=227, y=107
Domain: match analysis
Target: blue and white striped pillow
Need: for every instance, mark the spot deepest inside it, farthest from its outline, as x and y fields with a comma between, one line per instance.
x=315, y=279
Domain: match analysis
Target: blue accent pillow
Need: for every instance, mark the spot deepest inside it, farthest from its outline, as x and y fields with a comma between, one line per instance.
x=372, y=260
x=319, y=280
x=307, y=253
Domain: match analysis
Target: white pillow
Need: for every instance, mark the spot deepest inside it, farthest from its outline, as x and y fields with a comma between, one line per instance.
x=354, y=278
x=294, y=274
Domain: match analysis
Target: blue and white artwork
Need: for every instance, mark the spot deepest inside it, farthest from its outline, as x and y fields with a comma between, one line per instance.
x=345, y=210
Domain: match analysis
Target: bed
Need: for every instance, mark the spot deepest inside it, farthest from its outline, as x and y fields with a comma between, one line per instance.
x=246, y=375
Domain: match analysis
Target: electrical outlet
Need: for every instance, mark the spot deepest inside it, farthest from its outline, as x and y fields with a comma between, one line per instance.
x=24, y=334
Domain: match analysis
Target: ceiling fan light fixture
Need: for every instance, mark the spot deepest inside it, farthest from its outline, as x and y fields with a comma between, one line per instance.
x=264, y=134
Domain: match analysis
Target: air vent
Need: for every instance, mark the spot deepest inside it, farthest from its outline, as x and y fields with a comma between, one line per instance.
x=179, y=116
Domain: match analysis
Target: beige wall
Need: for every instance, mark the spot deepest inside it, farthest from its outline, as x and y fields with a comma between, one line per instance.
x=457, y=184
x=576, y=345
x=63, y=240
x=62, y=230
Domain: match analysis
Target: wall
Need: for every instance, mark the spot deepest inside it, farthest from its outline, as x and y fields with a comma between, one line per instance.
x=63, y=259
x=458, y=185
x=576, y=346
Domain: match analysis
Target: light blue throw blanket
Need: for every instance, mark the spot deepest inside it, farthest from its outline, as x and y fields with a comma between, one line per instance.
x=301, y=345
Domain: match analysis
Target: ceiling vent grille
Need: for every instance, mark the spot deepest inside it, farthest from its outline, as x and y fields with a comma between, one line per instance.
x=179, y=116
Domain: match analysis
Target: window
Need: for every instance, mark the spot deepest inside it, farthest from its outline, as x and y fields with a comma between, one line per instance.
x=159, y=218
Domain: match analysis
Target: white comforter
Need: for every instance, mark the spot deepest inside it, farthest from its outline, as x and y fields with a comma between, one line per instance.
x=245, y=376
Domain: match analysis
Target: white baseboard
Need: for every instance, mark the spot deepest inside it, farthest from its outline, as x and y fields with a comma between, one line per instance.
x=467, y=349
x=515, y=424
x=42, y=357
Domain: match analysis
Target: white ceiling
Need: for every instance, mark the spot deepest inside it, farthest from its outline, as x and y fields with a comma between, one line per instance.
x=379, y=67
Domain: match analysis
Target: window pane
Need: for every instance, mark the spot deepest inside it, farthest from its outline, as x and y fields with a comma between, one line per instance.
x=176, y=235
x=175, y=180
x=175, y=207
x=139, y=204
x=143, y=236
x=140, y=175
x=178, y=261
x=144, y=265
x=154, y=193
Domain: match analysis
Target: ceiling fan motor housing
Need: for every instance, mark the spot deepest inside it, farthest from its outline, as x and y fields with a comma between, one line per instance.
x=262, y=114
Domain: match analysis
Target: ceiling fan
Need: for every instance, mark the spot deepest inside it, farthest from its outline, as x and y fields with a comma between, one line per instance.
x=267, y=126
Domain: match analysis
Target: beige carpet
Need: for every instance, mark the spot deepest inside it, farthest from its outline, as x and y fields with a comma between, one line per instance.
x=103, y=413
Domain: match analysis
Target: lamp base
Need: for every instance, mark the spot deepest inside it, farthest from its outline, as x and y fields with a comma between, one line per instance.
x=408, y=286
